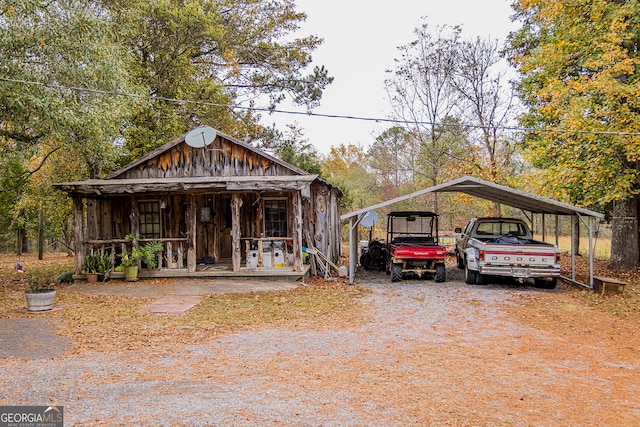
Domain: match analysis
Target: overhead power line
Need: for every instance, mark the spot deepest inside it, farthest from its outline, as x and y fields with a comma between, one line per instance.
x=301, y=113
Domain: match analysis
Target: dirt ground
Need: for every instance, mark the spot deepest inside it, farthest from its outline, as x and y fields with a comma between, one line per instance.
x=412, y=353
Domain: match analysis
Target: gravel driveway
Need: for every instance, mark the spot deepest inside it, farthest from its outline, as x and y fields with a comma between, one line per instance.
x=422, y=354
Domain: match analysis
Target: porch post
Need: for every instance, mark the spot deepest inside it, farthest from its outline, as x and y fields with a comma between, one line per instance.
x=236, y=203
x=135, y=224
x=192, y=226
x=78, y=233
x=297, y=231
x=135, y=217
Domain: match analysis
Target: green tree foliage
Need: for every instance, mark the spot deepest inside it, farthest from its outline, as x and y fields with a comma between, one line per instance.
x=579, y=63
x=345, y=166
x=35, y=46
x=216, y=53
x=42, y=117
x=293, y=148
x=390, y=155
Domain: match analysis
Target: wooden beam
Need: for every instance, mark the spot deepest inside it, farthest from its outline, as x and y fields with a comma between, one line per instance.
x=192, y=227
x=297, y=231
x=236, y=204
x=78, y=234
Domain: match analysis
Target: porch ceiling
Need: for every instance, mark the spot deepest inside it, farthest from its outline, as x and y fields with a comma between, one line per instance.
x=98, y=187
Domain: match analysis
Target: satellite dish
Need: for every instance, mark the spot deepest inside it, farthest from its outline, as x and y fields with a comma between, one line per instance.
x=200, y=137
x=369, y=218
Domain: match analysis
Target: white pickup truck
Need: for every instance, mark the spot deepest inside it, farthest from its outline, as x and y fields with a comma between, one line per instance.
x=505, y=247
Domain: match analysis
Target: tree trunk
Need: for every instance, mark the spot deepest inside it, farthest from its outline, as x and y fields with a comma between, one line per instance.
x=40, y=235
x=624, y=235
x=576, y=234
x=19, y=241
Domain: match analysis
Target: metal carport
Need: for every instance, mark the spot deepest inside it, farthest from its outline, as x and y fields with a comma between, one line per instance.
x=490, y=191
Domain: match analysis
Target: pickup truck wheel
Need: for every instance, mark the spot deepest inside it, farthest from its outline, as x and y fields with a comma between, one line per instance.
x=441, y=273
x=460, y=261
x=396, y=272
x=546, y=284
x=469, y=276
x=480, y=279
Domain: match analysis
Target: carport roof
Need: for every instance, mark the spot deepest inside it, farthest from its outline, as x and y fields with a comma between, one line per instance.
x=494, y=192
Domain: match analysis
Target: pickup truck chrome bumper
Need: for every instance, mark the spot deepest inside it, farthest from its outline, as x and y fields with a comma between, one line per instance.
x=522, y=272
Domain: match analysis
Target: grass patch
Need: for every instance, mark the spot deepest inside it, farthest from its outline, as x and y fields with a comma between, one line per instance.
x=601, y=245
x=121, y=323
x=52, y=264
x=265, y=307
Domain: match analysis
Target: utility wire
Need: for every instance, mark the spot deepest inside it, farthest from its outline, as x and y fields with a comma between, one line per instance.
x=301, y=113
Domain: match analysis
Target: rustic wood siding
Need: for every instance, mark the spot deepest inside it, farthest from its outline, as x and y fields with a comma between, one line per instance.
x=221, y=158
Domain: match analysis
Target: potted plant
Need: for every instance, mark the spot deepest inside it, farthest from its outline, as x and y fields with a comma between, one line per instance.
x=40, y=293
x=105, y=264
x=90, y=267
x=145, y=253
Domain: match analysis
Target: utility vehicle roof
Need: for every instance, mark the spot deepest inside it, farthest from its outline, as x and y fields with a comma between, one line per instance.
x=412, y=213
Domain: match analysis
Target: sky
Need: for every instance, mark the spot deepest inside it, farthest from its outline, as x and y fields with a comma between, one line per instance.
x=361, y=38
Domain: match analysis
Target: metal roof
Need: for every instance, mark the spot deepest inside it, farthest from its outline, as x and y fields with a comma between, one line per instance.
x=496, y=193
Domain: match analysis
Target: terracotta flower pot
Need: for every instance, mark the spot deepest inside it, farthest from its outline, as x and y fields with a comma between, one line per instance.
x=92, y=277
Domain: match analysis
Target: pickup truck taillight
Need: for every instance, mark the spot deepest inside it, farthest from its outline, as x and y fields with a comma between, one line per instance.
x=558, y=258
x=481, y=255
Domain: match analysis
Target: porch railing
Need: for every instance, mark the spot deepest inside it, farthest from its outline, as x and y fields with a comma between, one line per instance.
x=267, y=251
x=171, y=257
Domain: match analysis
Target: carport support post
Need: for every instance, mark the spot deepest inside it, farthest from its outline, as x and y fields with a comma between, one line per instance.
x=573, y=253
x=591, y=252
x=353, y=221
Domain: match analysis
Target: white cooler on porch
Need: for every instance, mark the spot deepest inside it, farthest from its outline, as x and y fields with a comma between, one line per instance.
x=278, y=259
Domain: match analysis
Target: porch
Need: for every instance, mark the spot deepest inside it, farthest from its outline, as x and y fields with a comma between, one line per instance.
x=222, y=271
x=262, y=259
x=211, y=209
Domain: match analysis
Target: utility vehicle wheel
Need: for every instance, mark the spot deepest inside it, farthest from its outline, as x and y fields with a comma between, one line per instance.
x=469, y=275
x=460, y=261
x=480, y=279
x=546, y=284
x=441, y=273
x=396, y=272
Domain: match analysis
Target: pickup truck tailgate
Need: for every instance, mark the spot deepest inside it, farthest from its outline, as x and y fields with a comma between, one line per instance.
x=519, y=255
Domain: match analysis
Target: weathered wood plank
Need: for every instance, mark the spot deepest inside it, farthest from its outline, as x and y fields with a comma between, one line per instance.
x=192, y=228
x=297, y=231
x=78, y=233
x=236, y=204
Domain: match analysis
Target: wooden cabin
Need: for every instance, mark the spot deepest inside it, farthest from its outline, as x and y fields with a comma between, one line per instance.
x=225, y=209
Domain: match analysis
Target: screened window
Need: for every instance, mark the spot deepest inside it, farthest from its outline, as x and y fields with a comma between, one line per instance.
x=275, y=218
x=149, y=220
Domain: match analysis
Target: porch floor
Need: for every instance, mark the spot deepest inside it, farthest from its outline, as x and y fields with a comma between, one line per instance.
x=224, y=271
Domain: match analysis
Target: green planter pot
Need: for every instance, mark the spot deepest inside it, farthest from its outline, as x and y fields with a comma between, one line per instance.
x=131, y=273
x=40, y=301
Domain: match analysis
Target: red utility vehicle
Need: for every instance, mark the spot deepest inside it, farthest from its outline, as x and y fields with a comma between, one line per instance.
x=412, y=242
